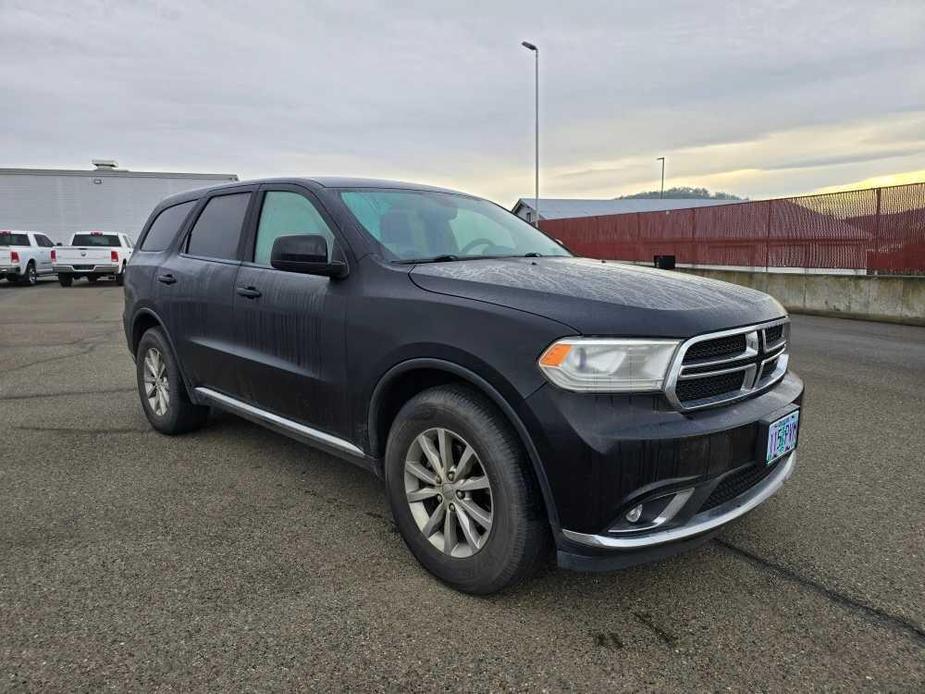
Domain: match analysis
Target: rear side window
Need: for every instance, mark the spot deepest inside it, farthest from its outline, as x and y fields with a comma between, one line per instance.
x=165, y=227
x=8, y=239
x=218, y=229
x=106, y=240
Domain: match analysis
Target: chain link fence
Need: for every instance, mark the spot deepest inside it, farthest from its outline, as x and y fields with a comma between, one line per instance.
x=877, y=230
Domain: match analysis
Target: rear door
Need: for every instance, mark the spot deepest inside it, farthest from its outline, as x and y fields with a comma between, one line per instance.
x=289, y=327
x=195, y=289
x=43, y=254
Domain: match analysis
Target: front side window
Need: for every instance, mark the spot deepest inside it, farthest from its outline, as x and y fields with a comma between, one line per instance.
x=96, y=239
x=164, y=229
x=218, y=229
x=422, y=225
x=286, y=214
x=43, y=241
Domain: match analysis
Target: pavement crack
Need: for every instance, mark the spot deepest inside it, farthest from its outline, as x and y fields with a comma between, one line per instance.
x=894, y=621
x=646, y=620
x=63, y=393
x=48, y=360
x=83, y=430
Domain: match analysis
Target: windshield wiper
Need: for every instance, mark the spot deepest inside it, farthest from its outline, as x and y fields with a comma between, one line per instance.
x=435, y=259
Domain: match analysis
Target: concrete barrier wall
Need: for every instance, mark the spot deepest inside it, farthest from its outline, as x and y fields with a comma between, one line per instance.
x=882, y=298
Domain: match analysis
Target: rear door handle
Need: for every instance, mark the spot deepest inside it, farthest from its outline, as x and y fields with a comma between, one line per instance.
x=248, y=292
x=166, y=279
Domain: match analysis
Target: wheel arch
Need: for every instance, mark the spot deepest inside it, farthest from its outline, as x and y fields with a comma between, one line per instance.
x=145, y=319
x=403, y=381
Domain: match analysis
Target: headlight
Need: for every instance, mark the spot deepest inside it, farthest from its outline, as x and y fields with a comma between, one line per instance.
x=596, y=364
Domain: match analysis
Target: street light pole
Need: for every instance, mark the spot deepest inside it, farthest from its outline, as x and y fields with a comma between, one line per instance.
x=536, y=65
x=661, y=192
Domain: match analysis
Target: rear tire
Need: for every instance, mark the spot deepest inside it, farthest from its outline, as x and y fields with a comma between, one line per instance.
x=163, y=395
x=515, y=542
x=29, y=278
x=65, y=280
x=120, y=278
x=92, y=279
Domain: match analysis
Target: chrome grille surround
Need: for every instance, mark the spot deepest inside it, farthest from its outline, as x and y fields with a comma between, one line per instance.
x=763, y=345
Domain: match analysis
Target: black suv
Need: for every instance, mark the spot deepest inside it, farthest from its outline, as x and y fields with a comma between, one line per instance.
x=511, y=395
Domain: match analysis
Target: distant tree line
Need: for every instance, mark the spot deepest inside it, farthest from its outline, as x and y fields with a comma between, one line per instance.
x=684, y=192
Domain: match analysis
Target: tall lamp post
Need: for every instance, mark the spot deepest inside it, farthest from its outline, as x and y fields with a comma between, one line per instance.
x=536, y=63
x=661, y=192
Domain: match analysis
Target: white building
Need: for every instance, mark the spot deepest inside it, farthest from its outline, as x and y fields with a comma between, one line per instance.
x=60, y=202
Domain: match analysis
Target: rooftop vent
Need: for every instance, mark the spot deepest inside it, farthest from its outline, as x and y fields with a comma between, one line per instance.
x=105, y=164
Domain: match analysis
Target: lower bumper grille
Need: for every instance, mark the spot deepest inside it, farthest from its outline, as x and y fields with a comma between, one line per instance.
x=737, y=483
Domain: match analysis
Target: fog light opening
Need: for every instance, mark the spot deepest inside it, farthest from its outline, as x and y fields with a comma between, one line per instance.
x=634, y=514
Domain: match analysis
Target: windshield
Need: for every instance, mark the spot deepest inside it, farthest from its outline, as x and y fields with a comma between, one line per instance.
x=107, y=240
x=421, y=225
x=10, y=239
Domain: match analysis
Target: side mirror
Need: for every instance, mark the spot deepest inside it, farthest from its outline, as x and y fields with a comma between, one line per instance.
x=305, y=253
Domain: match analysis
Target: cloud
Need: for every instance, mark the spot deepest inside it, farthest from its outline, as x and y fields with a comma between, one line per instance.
x=442, y=93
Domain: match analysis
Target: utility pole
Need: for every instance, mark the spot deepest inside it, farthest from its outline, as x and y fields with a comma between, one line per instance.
x=536, y=64
x=661, y=192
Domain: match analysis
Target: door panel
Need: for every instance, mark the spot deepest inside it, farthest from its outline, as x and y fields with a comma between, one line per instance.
x=290, y=341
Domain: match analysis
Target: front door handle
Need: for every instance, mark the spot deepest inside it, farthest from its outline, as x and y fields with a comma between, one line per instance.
x=167, y=279
x=249, y=292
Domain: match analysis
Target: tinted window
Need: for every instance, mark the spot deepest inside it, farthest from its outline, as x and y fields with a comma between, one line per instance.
x=165, y=227
x=218, y=228
x=43, y=241
x=97, y=239
x=285, y=214
x=8, y=239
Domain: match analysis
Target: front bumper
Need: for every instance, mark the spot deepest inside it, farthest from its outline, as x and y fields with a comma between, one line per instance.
x=603, y=455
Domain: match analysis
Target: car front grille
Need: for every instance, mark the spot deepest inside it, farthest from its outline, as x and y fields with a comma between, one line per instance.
x=737, y=483
x=720, y=368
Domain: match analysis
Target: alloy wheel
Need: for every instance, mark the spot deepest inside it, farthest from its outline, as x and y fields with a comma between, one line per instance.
x=448, y=492
x=155, y=379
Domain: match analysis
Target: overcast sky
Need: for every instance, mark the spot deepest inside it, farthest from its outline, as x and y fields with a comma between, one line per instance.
x=755, y=98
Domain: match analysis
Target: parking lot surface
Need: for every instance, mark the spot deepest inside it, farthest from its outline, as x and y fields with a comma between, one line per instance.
x=235, y=558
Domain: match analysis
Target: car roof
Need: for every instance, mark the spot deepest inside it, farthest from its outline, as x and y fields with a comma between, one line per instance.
x=313, y=182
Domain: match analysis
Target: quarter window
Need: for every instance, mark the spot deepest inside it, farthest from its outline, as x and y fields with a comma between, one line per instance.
x=165, y=227
x=287, y=214
x=218, y=229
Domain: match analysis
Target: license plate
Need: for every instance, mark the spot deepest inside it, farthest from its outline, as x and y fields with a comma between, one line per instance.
x=782, y=436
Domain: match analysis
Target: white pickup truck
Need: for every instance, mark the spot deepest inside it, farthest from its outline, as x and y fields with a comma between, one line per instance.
x=92, y=254
x=24, y=255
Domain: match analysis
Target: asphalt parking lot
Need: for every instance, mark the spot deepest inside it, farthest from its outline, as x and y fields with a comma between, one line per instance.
x=235, y=558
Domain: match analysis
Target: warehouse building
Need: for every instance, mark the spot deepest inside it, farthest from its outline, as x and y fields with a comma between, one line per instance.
x=60, y=202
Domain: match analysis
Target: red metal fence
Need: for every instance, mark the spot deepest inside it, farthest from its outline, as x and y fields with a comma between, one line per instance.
x=877, y=230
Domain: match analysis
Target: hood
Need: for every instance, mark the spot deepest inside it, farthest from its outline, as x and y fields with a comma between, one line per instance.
x=602, y=298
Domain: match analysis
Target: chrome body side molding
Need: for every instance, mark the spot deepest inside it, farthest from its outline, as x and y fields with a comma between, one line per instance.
x=275, y=421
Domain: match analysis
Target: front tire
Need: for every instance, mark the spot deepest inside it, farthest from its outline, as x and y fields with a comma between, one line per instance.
x=163, y=395
x=462, y=493
x=65, y=280
x=92, y=279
